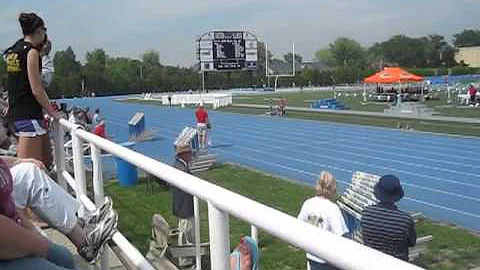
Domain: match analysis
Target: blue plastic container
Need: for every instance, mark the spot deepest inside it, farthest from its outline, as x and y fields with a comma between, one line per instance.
x=127, y=173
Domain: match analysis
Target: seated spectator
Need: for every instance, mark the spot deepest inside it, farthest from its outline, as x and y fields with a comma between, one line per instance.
x=24, y=249
x=74, y=115
x=55, y=106
x=32, y=188
x=99, y=130
x=320, y=211
x=383, y=226
x=246, y=255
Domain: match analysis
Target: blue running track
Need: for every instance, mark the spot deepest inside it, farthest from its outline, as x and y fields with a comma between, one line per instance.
x=439, y=173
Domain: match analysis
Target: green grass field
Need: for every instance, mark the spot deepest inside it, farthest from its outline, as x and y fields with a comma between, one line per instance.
x=452, y=247
x=304, y=99
x=420, y=125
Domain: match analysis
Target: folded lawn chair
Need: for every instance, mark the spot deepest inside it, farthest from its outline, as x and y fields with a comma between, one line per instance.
x=174, y=243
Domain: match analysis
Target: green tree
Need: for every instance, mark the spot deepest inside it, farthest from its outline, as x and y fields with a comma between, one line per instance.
x=65, y=62
x=350, y=59
x=151, y=71
x=124, y=75
x=347, y=52
x=66, y=79
x=439, y=52
x=467, y=38
x=375, y=57
x=429, y=51
x=325, y=56
x=405, y=51
x=94, y=72
x=151, y=58
x=289, y=57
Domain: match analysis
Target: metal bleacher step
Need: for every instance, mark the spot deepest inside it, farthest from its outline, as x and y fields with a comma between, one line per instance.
x=203, y=162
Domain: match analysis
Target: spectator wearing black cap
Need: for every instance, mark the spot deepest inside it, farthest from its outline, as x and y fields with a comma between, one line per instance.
x=26, y=95
x=384, y=227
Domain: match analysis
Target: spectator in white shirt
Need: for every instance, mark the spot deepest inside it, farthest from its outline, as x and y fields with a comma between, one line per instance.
x=320, y=211
x=73, y=117
x=97, y=118
x=47, y=63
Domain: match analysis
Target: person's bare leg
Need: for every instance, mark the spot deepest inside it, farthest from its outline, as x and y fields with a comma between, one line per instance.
x=47, y=151
x=201, y=139
x=204, y=138
x=77, y=236
x=30, y=147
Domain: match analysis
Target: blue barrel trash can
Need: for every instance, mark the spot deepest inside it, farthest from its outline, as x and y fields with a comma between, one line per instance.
x=127, y=173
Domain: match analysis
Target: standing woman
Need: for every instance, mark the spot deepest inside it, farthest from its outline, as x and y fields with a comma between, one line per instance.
x=26, y=96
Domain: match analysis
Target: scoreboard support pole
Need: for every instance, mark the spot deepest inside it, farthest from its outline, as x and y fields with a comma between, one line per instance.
x=203, y=80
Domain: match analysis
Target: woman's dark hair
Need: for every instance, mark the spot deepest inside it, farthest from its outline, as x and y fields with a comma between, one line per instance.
x=30, y=22
x=46, y=45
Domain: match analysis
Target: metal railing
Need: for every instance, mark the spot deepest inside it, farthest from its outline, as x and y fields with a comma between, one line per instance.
x=339, y=251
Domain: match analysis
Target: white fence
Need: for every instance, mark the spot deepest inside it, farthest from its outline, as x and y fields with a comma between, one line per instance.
x=341, y=252
x=216, y=99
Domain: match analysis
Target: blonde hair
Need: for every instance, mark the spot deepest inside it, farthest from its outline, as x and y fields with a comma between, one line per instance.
x=326, y=185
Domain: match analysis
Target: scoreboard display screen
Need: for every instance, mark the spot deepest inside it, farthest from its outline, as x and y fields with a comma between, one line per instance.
x=227, y=50
x=229, y=53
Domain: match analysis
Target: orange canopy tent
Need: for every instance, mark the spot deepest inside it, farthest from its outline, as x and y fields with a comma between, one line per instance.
x=393, y=75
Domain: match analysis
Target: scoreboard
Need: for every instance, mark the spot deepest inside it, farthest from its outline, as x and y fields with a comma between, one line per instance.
x=227, y=50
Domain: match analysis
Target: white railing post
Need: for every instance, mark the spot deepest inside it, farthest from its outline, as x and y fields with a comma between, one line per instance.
x=254, y=233
x=196, y=208
x=78, y=168
x=59, y=153
x=219, y=231
x=99, y=193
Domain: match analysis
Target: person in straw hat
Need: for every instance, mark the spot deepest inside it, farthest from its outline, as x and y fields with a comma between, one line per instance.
x=182, y=202
x=322, y=212
x=384, y=227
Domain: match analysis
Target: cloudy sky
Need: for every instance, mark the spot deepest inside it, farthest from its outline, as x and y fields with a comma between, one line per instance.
x=128, y=28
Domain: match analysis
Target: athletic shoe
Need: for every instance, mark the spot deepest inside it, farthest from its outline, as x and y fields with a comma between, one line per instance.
x=97, y=235
x=99, y=214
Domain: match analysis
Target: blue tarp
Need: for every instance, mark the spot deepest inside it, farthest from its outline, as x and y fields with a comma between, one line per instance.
x=453, y=79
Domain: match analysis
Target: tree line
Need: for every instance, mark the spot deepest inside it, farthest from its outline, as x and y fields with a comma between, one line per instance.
x=344, y=61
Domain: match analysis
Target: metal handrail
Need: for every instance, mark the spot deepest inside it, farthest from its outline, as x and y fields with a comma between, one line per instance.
x=339, y=251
